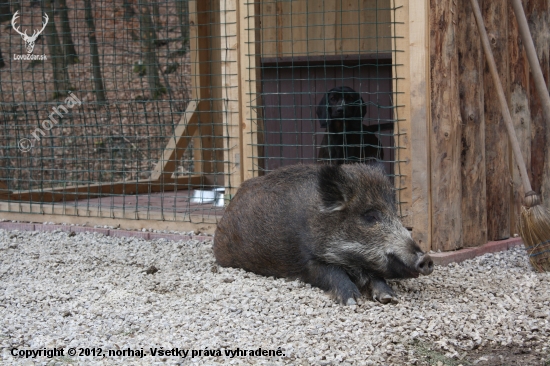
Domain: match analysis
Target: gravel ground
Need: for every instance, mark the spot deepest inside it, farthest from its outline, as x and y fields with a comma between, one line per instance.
x=122, y=295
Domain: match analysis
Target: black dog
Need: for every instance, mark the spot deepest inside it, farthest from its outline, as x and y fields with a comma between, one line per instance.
x=341, y=112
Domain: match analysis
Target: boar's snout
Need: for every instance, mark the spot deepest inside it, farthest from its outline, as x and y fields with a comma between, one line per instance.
x=424, y=264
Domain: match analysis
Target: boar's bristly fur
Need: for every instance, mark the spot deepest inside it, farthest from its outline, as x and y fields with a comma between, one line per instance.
x=333, y=226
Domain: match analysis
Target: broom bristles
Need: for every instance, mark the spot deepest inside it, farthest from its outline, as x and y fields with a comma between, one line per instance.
x=534, y=228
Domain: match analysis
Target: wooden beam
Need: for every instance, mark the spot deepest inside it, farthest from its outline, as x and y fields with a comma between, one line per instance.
x=495, y=17
x=445, y=129
x=248, y=88
x=177, y=144
x=102, y=189
x=538, y=16
x=27, y=212
x=415, y=13
x=470, y=85
x=230, y=90
x=401, y=98
x=206, y=82
x=213, y=135
x=520, y=113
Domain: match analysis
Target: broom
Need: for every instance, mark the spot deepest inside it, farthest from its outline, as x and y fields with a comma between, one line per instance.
x=534, y=224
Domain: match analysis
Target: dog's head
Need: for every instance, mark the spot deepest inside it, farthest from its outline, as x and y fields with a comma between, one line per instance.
x=341, y=103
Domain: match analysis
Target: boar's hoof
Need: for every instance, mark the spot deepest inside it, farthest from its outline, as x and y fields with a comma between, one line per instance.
x=385, y=299
x=382, y=293
x=347, y=296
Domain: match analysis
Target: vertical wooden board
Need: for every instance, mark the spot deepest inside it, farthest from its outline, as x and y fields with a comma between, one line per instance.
x=375, y=26
x=268, y=18
x=348, y=31
x=298, y=27
x=201, y=71
x=446, y=187
x=406, y=127
x=207, y=43
x=474, y=193
x=330, y=9
x=248, y=88
x=544, y=51
x=415, y=16
x=520, y=112
x=497, y=153
x=538, y=16
x=315, y=27
x=194, y=50
x=230, y=97
x=216, y=131
x=284, y=27
x=384, y=27
x=279, y=29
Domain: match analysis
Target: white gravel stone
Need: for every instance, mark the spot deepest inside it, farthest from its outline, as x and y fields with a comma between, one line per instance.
x=91, y=291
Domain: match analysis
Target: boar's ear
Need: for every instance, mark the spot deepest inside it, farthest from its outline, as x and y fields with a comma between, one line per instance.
x=332, y=183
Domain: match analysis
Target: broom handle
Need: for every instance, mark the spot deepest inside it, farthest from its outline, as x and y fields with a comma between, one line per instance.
x=532, y=57
x=502, y=98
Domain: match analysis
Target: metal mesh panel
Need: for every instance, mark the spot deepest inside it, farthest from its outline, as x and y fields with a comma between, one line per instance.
x=303, y=50
x=145, y=109
x=129, y=68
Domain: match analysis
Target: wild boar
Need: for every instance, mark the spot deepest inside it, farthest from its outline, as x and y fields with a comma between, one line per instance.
x=333, y=226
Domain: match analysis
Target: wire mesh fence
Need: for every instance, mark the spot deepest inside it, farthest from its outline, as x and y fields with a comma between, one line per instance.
x=325, y=81
x=99, y=117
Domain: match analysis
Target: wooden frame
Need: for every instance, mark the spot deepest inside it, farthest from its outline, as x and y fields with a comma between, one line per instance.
x=411, y=86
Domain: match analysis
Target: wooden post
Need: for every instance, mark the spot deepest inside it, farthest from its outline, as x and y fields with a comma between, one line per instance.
x=409, y=98
x=446, y=184
x=206, y=78
x=474, y=192
x=248, y=88
x=230, y=87
x=414, y=15
x=495, y=17
x=538, y=16
x=520, y=113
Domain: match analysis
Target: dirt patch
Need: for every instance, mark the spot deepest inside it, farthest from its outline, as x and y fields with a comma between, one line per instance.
x=489, y=355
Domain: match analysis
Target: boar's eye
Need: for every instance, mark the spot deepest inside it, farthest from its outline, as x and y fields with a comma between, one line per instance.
x=371, y=216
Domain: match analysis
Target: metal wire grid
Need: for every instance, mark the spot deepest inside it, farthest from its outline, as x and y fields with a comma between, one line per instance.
x=305, y=49
x=130, y=68
x=122, y=137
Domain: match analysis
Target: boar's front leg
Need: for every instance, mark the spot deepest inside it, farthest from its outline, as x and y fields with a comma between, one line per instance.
x=381, y=291
x=332, y=279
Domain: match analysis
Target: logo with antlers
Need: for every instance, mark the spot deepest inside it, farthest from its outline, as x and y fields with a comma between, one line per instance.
x=29, y=40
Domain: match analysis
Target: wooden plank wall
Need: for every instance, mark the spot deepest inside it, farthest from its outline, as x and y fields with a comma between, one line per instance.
x=318, y=28
x=538, y=16
x=476, y=192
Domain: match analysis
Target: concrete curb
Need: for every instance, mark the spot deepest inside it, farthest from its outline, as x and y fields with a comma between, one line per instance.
x=107, y=232
x=443, y=259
